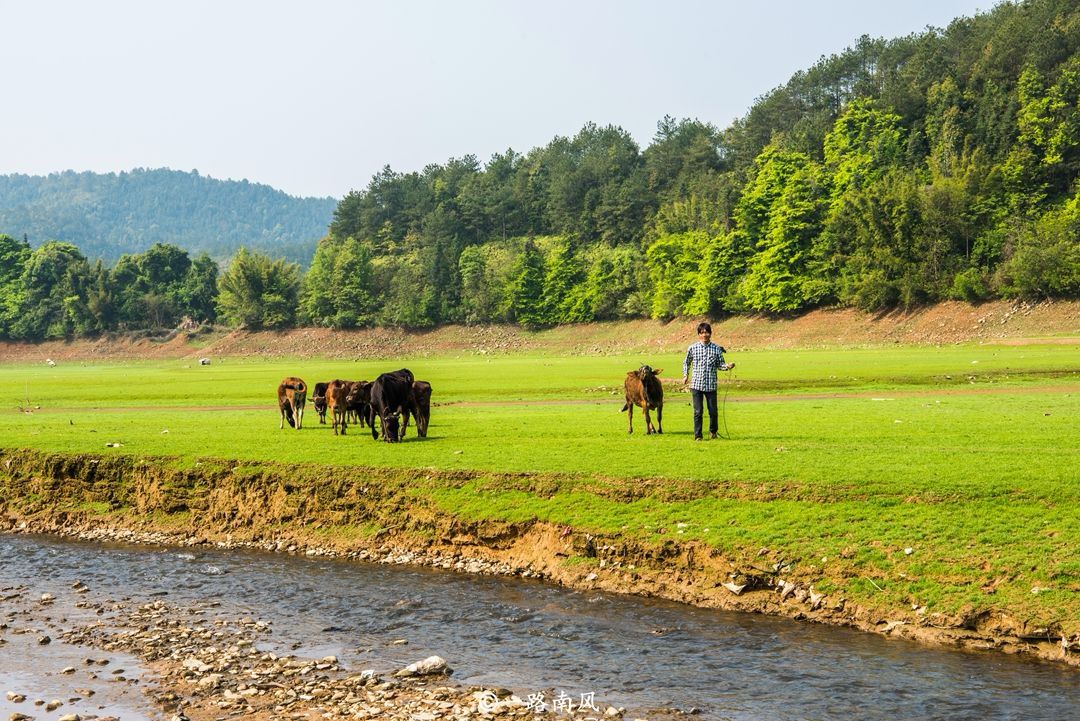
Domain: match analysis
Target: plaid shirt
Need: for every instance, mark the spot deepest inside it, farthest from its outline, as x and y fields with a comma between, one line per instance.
x=707, y=360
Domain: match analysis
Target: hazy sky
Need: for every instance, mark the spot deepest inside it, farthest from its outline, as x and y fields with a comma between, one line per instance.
x=315, y=97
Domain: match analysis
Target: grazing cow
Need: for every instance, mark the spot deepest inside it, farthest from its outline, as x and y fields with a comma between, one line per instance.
x=391, y=395
x=356, y=401
x=318, y=399
x=336, y=393
x=291, y=397
x=422, y=400
x=643, y=389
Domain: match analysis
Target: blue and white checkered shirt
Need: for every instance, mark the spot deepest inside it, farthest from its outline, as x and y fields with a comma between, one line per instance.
x=707, y=359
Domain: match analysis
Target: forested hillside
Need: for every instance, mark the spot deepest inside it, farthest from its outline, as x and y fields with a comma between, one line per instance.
x=898, y=172
x=108, y=215
x=941, y=165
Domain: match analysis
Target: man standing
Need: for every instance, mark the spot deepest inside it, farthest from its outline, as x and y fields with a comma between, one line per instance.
x=707, y=358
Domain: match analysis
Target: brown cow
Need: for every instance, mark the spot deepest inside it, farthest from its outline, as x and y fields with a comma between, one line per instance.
x=356, y=401
x=643, y=389
x=336, y=394
x=291, y=397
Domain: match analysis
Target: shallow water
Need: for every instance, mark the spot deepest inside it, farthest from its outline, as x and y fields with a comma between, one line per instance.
x=532, y=637
x=37, y=671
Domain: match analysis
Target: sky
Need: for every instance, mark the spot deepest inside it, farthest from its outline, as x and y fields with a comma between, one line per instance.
x=315, y=97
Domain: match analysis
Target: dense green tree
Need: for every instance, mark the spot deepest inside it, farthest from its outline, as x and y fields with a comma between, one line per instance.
x=13, y=257
x=486, y=272
x=256, y=292
x=147, y=286
x=408, y=302
x=1044, y=256
x=336, y=291
x=527, y=287
x=54, y=282
x=614, y=287
x=562, y=272
x=159, y=287
x=674, y=264
x=198, y=290
x=780, y=276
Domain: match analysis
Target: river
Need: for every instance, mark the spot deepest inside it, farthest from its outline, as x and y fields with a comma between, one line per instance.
x=536, y=638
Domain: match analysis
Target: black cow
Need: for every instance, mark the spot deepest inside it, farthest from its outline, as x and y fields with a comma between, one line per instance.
x=318, y=398
x=391, y=395
x=356, y=401
x=422, y=400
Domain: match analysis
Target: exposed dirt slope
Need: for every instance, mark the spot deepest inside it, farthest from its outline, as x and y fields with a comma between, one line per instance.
x=943, y=323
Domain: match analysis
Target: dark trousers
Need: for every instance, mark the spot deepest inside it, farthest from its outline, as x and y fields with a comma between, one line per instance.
x=710, y=401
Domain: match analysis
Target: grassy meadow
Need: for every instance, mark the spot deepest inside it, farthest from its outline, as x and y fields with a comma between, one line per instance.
x=840, y=458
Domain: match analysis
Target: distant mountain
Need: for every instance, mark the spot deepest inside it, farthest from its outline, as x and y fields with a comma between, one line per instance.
x=108, y=215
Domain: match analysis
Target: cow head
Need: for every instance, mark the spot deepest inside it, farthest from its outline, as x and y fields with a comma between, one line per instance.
x=318, y=397
x=390, y=426
x=645, y=372
x=359, y=392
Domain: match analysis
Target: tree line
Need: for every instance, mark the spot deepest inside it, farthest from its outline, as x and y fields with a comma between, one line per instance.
x=941, y=165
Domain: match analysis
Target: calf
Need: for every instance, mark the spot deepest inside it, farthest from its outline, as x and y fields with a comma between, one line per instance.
x=318, y=399
x=643, y=389
x=391, y=395
x=291, y=397
x=336, y=393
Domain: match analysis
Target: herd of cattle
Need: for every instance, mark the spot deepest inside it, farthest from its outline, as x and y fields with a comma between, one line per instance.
x=392, y=398
x=399, y=394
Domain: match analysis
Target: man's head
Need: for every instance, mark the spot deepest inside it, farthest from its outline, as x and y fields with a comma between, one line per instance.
x=704, y=331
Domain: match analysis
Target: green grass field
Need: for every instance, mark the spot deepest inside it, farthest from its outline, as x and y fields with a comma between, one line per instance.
x=966, y=454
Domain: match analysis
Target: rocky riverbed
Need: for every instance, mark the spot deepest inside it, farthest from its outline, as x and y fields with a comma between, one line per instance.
x=151, y=660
